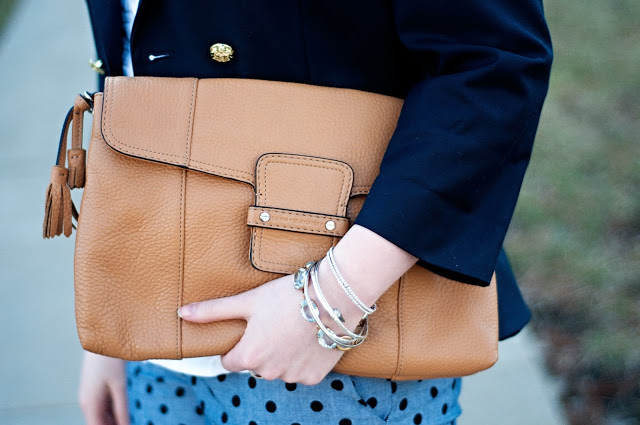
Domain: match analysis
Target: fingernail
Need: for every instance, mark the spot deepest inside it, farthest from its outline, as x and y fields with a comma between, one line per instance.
x=186, y=310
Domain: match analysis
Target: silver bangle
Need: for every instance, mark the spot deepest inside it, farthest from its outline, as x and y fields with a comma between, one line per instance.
x=343, y=343
x=333, y=313
x=345, y=286
x=339, y=342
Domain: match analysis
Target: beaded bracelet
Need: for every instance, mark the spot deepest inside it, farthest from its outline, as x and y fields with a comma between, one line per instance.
x=340, y=342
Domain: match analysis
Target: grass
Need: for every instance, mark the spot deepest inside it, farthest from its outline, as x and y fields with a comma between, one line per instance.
x=575, y=237
x=6, y=7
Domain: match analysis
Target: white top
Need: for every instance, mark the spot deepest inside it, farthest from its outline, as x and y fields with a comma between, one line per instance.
x=202, y=366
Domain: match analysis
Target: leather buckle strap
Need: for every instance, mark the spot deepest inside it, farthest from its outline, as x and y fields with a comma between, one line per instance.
x=297, y=221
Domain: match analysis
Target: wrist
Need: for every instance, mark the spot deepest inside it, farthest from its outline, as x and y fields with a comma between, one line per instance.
x=370, y=263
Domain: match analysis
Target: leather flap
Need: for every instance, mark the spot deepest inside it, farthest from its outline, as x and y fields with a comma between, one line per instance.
x=309, y=188
x=222, y=126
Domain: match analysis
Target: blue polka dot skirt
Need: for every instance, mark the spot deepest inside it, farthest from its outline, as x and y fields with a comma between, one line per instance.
x=158, y=396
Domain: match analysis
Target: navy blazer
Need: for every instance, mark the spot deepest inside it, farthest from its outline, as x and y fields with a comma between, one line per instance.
x=473, y=74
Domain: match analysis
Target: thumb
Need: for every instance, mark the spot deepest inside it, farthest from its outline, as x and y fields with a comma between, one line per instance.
x=227, y=308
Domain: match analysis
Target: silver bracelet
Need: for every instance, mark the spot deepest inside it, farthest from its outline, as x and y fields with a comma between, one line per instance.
x=339, y=342
x=345, y=286
x=333, y=313
x=343, y=343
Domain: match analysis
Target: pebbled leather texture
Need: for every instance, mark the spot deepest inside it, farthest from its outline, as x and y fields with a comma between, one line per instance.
x=179, y=170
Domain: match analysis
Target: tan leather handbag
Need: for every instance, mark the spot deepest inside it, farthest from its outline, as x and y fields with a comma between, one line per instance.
x=177, y=175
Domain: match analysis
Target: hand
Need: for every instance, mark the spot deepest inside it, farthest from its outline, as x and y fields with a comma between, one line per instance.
x=102, y=393
x=278, y=342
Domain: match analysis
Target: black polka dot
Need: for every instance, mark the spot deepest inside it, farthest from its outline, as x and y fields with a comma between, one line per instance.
x=252, y=382
x=271, y=406
x=372, y=402
x=163, y=409
x=417, y=419
x=224, y=417
x=445, y=408
x=160, y=379
x=138, y=405
x=337, y=385
x=179, y=391
x=403, y=404
x=290, y=387
x=235, y=400
x=222, y=377
x=252, y=423
x=295, y=423
x=361, y=401
x=394, y=387
x=194, y=380
x=136, y=371
x=149, y=388
x=132, y=419
x=129, y=382
x=434, y=392
x=149, y=423
x=453, y=386
x=200, y=408
x=345, y=421
x=316, y=406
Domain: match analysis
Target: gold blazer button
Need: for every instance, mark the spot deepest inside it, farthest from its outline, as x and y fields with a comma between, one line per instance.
x=221, y=52
x=97, y=66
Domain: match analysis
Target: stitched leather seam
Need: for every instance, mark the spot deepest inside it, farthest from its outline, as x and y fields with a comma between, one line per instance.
x=107, y=104
x=307, y=215
x=336, y=167
x=317, y=216
x=400, y=326
x=276, y=226
x=110, y=105
x=183, y=184
x=77, y=119
x=224, y=168
x=136, y=150
x=221, y=173
x=189, y=126
x=263, y=170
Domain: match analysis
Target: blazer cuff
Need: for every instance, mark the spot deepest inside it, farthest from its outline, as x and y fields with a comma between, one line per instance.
x=446, y=240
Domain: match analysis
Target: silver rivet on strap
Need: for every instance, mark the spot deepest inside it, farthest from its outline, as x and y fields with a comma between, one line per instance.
x=265, y=216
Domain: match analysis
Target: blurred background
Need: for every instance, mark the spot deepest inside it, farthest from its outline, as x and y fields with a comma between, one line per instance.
x=574, y=241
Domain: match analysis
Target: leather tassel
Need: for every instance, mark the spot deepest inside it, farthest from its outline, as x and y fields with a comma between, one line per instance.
x=57, y=209
x=77, y=164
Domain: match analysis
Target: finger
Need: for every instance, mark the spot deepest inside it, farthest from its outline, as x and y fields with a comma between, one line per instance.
x=239, y=358
x=234, y=307
x=119, y=404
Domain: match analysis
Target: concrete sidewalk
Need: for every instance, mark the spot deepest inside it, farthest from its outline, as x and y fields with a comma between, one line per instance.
x=44, y=57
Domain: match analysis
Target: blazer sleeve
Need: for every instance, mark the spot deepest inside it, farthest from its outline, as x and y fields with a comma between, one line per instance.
x=451, y=174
